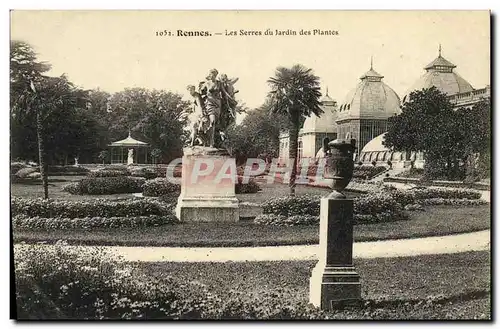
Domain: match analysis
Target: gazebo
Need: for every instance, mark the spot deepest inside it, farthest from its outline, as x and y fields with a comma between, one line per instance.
x=120, y=150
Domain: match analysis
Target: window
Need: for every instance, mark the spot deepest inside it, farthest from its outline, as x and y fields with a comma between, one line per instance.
x=300, y=150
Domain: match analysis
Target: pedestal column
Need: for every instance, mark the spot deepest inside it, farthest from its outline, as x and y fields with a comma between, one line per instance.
x=334, y=280
x=207, y=188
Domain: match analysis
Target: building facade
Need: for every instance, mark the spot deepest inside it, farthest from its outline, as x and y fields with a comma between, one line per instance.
x=313, y=131
x=440, y=73
x=367, y=108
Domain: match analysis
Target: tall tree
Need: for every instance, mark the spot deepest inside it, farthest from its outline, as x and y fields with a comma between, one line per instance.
x=428, y=123
x=295, y=92
x=39, y=96
x=153, y=115
x=257, y=135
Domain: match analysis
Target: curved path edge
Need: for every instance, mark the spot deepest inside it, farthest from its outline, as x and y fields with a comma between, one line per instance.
x=475, y=241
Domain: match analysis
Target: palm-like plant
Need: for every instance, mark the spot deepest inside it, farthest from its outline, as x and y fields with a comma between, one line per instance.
x=295, y=92
x=45, y=95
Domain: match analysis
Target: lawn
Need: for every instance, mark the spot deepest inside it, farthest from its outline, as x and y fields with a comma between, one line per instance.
x=455, y=286
x=56, y=183
x=435, y=221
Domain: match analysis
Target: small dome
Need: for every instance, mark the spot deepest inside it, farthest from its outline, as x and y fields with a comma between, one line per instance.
x=324, y=123
x=439, y=73
x=371, y=99
x=375, y=145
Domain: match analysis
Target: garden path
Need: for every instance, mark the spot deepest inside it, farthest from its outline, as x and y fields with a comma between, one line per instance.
x=476, y=241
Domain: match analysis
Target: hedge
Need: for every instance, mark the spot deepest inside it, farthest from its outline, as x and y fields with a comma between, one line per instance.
x=246, y=188
x=451, y=202
x=106, y=185
x=16, y=166
x=158, y=187
x=147, y=173
x=107, y=173
x=406, y=197
x=81, y=284
x=367, y=171
x=55, y=170
x=92, y=208
x=26, y=222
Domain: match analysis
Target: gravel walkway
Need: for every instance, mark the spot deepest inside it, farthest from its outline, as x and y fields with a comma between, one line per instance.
x=475, y=241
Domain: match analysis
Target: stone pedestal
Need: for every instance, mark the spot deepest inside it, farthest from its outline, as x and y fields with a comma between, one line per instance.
x=207, y=187
x=334, y=280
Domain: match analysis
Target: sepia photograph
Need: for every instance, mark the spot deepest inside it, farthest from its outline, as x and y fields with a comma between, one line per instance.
x=250, y=165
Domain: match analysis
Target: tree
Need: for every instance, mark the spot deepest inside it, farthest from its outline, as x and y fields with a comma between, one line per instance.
x=295, y=92
x=429, y=124
x=257, y=135
x=39, y=96
x=473, y=134
x=156, y=116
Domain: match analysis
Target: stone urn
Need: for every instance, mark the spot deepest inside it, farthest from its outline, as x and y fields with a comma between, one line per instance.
x=340, y=164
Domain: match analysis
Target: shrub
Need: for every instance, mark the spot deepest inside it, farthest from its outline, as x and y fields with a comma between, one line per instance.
x=16, y=166
x=280, y=220
x=147, y=173
x=381, y=217
x=92, y=208
x=367, y=171
x=161, y=171
x=25, y=222
x=373, y=204
x=34, y=175
x=107, y=173
x=412, y=173
x=414, y=207
x=23, y=173
x=434, y=192
x=73, y=188
x=159, y=186
x=250, y=187
x=305, y=210
x=63, y=282
x=451, y=202
x=169, y=199
x=54, y=170
x=109, y=185
x=293, y=205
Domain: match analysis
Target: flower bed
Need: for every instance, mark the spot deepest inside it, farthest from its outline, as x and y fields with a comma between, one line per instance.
x=67, y=171
x=158, y=187
x=245, y=188
x=107, y=173
x=367, y=171
x=106, y=185
x=147, y=173
x=94, y=208
x=451, y=202
x=74, y=283
x=305, y=210
x=34, y=223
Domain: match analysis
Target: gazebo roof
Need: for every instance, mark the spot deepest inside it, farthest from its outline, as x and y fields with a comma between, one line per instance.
x=129, y=141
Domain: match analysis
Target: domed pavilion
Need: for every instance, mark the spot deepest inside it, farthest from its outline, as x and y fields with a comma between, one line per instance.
x=440, y=74
x=366, y=109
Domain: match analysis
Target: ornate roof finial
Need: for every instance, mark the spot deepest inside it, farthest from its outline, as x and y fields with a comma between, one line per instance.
x=440, y=50
x=371, y=63
x=129, y=133
x=326, y=90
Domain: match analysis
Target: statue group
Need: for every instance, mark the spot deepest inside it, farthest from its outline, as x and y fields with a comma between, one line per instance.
x=214, y=109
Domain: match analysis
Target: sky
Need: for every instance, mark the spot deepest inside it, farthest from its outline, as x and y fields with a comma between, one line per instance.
x=113, y=50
